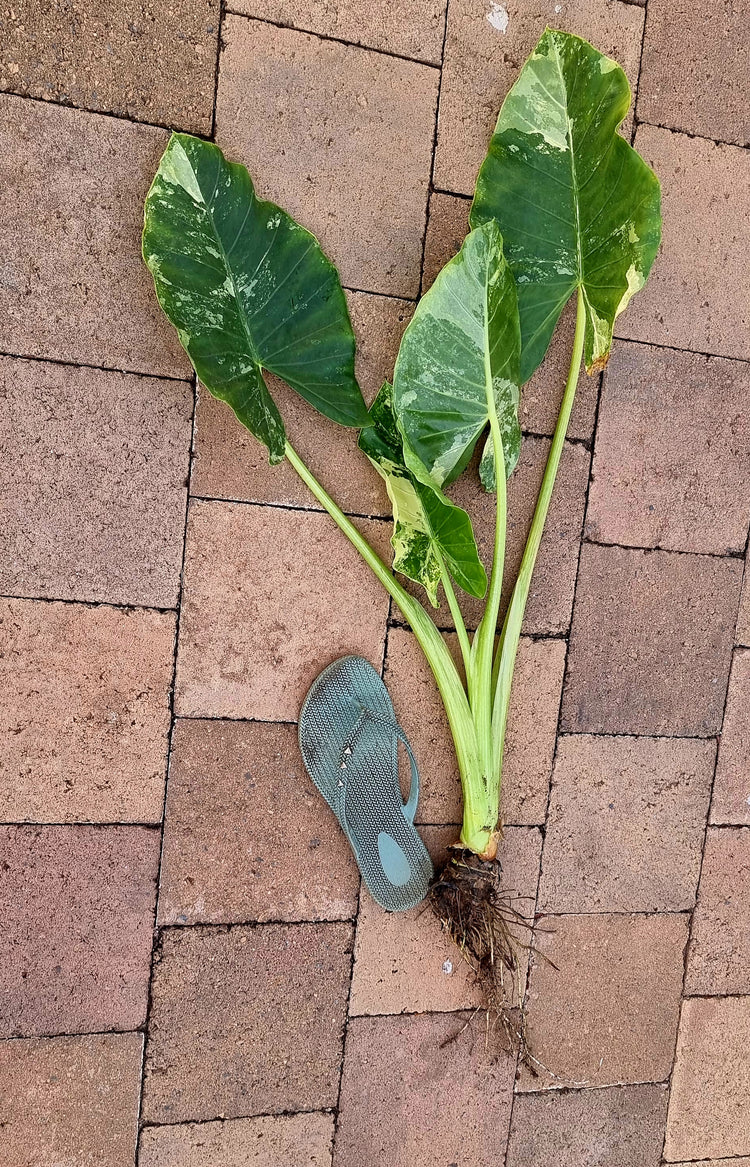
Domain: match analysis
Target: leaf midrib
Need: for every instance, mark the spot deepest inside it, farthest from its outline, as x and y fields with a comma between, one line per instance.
x=225, y=257
x=573, y=172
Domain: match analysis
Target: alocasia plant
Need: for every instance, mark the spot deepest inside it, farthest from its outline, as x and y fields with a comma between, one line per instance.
x=563, y=206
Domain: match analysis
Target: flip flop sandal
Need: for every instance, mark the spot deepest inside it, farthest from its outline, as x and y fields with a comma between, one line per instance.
x=349, y=735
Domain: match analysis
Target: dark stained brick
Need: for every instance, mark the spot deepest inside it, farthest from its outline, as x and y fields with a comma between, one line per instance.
x=421, y=1089
x=247, y=836
x=152, y=62
x=246, y=1021
x=77, y=905
x=626, y=823
x=650, y=643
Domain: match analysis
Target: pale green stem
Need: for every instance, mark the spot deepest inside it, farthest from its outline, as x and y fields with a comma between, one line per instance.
x=431, y=642
x=507, y=648
x=456, y=613
x=480, y=806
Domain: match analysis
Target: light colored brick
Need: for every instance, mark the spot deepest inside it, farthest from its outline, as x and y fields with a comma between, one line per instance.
x=697, y=81
x=710, y=1098
x=70, y=1100
x=155, y=63
x=742, y=635
x=626, y=823
x=530, y=738
x=601, y=1014
x=409, y=28
x=698, y=293
x=731, y=796
x=719, y=954
x=74, y=286
x=405, y=963
x=551, y=595
x=93, y=476
x=272, y=1141
x=271, y=597
x=742, y=1161
x=338, y=136
x=85, y=723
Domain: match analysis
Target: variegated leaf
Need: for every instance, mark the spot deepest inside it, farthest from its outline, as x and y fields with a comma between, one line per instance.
x=459, y=362
x=247, y=289
x=577, y=206
x=427, y=526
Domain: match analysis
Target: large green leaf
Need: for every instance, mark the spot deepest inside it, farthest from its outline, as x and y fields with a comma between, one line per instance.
x=247, y=289
x=459, y=362
x=427, y=526
x=577, y=206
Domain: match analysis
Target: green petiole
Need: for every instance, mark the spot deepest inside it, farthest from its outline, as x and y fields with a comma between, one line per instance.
x=505, y=657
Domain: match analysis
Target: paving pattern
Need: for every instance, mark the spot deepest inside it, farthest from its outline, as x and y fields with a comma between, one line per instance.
x=189, y=974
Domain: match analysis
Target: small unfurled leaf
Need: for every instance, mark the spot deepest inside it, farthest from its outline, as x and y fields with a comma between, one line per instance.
x=577, y=206
x=458, y=364
x=427, y=526
x=247, y=289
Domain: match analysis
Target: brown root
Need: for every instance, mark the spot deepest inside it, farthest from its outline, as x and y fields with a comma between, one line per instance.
x=468, y=900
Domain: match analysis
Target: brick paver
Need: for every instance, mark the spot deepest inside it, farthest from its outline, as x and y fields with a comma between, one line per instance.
x=294, y=865
x=246, y=1021
x=409, y=28
x=719, y=955
x=248, y=1142
x=698, y=292
x=625, y=824
x=71, y=1100
x=230, y=463
x=710, y=1097
x=286, y=1018
x=155, y=63
x=94, y=468
x=482, y=60
x=735, y=1161
x=598, y=1014
x=271, y=596
x=653, y=615
x=421, y=1090
x=403, y=963
x=340, y=137
x=616, y=1127
x=85, y=718
x=75, y=287
x=672, y=463
x=697, y=81
x=77, y=905
x=731, y=796
x=530, y=740
x=742, y=634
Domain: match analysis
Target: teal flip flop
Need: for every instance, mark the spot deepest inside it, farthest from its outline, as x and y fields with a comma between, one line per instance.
x=349, y=735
